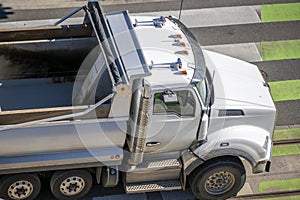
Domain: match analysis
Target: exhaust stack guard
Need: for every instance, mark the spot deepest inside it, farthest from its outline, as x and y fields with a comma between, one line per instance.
x=139, y=137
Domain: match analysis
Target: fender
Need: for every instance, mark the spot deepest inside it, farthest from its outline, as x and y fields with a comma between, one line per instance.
x=252, y=143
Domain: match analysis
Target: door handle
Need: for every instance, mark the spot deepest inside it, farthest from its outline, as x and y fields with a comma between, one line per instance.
x=152, y=144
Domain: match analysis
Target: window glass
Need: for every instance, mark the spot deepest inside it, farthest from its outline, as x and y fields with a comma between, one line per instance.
x=185, y=105
x=201, y=87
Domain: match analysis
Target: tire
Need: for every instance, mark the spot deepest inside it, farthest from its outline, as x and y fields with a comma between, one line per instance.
x=218, y=179
x=70, y=185
x=20, y=187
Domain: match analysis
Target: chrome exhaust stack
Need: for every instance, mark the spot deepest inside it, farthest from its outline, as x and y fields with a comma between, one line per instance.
x=137, y=140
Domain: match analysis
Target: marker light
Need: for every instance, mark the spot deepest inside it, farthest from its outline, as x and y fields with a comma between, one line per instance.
x=184, y=72
x=182, y=44
x=185, y=52
x=178, y=36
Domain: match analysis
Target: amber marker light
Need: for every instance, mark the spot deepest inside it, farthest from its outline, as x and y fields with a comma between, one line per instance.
x=184, y=72
x=185, y=52
x=178, y=36
x=182, y=44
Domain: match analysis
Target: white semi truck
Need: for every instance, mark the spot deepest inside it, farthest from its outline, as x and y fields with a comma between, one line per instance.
x=148, y=107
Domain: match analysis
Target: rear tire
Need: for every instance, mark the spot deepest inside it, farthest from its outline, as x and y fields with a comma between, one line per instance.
x=20, y=187
x=70, y=185
x=218, y=179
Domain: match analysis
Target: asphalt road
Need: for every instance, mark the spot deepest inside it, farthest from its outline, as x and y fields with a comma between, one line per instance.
x=190, y=4
x=280, y=70
x=133, y=7
x=215, y=35
x=246, y=33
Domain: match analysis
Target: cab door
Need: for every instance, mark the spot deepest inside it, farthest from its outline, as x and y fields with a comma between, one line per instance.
x=174, y=120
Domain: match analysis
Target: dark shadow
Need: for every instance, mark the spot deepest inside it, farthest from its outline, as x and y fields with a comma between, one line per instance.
x=5, y=11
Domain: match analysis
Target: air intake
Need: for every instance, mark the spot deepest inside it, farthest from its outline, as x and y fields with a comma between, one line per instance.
x=230, y=112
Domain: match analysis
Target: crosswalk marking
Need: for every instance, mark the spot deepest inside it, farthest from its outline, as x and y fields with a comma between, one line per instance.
x=246, y=51
x=214, y=16
x=280, y=50
x=285, y=90
x=280, y=12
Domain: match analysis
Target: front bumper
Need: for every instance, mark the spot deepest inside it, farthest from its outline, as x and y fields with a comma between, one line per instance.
x=264, y=164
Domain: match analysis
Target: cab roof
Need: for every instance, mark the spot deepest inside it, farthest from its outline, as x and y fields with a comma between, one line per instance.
x=154, y=48
x=166, y=49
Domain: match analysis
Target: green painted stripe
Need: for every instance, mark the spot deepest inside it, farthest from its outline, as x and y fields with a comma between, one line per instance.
x=285, y=90
x=280, y=50
x=292, y=133
x=286, y=150
x=282, y=185
x=280, y=12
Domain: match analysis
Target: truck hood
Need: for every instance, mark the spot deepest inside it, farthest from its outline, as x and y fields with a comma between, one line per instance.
x=237, y=83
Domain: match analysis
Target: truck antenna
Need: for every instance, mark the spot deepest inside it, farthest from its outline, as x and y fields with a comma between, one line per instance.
x=181, y=4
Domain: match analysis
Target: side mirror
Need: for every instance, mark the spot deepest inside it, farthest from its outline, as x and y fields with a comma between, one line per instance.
x=194, y=81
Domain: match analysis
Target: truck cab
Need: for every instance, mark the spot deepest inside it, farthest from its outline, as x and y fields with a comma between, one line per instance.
x=207, y=108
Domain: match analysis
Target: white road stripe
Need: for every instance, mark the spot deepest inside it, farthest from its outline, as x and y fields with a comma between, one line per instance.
x=214, y=16
x=246, y=189
x=192, y=18
x=246, y=51
x=211, y=16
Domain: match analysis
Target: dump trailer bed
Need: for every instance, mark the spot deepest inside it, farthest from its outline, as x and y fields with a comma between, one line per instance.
x=61, y=143
x=34, y=93
x=32, y=90
x=43, y=128
x=63, y=120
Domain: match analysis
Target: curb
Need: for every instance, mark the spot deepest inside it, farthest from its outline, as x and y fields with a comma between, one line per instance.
x=287, y=127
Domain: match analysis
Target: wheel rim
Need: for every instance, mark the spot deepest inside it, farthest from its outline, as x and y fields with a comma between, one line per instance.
x=219, y=182
x=72, y=186
x=20, y=190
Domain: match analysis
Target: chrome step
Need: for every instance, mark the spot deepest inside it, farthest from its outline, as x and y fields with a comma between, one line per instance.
x=150, y=165
x=152, y=175
x=153, y=186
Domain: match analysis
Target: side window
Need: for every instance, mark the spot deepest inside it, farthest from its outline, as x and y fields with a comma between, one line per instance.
x=182, y=104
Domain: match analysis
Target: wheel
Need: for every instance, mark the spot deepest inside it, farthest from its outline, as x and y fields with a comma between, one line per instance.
x=20, y=186
x=70, y=185
x=218, y=179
